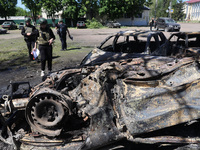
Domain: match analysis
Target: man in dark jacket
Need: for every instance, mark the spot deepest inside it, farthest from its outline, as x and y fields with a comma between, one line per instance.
x=151, y=23
x=29, y=32
x=62, y=31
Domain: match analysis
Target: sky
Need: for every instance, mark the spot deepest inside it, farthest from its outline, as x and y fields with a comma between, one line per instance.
x=19, y=4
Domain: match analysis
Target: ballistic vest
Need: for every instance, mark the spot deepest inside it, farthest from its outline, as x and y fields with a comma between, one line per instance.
x=44, y=37
x=28, y=29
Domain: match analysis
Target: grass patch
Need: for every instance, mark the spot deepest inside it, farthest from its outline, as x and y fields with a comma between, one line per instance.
x=14, y=54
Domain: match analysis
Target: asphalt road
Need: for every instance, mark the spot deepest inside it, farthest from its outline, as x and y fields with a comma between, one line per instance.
x=89, y=36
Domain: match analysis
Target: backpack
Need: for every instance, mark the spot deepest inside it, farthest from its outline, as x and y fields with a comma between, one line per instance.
x=62, y=28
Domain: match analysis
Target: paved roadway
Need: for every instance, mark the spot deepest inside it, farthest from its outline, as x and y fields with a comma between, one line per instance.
x=89, y=37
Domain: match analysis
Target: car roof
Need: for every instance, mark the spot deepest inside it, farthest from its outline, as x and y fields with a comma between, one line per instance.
x=189, y=34
x=141, y=33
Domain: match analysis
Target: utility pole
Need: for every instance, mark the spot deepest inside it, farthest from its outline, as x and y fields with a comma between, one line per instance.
x=155, y=8
x=170, y=7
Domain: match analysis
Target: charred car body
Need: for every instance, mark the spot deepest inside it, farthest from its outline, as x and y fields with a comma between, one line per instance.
x=137, y=99
x=127, y=44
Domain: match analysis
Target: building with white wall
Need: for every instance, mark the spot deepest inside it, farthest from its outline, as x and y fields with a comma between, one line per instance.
x=192, y=10
x=141, y=20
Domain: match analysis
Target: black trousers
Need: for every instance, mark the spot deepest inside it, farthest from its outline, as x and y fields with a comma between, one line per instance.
x=63, y=38
x=30, y=45
x=46, y=55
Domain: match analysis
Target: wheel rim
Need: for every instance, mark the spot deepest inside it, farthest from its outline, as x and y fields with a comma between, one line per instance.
x=44, y=113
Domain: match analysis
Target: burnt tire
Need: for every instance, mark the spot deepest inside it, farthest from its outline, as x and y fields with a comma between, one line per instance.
x=44, y=114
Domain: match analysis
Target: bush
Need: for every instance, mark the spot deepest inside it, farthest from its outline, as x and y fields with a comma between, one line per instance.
x=93, y=24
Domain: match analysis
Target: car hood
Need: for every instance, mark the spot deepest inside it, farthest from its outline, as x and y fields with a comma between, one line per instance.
x=174, y=24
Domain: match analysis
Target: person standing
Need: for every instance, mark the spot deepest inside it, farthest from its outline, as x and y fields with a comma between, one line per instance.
x=62, y=31
x=29, y=32
x=45, y=38
x=151, y=23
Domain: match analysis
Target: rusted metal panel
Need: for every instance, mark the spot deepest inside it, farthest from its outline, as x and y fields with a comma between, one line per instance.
x=147, y=105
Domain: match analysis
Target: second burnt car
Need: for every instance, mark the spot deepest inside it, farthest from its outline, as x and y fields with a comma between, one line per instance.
x=127, y=44
x=184, y=43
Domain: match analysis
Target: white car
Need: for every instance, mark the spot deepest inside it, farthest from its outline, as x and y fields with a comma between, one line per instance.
x=80, y=24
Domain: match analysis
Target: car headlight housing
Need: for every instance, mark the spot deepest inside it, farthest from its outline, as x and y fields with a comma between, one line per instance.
x=170, y=26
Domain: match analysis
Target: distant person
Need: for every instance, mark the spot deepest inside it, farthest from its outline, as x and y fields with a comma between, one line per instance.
x=155, y=22
x=29, y=32
x=62, y=31
x=151, y=23
x=45, y=38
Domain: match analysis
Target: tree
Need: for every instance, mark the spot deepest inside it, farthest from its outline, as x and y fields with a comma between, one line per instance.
x=162, y=8
x=21, y=12
x=117, y=8
x=91, y=8
x=112, y=9
x=7, y=8
x=51, y=7
x=72, y=9
x=34, y=6
x=178, y=10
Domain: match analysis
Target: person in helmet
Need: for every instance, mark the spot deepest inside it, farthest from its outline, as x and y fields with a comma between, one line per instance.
x=62, y=31
x=29, y=32
x=45, y=38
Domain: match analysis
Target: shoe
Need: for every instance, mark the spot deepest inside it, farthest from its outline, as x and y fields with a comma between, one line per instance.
x=62, y=50
x=42, y=73
x=49, y=72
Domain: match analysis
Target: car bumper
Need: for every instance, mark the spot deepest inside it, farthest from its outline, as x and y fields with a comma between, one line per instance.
x=174, y=28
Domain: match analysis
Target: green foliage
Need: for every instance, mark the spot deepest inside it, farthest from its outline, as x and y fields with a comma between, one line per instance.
x=51, y=7
x=178, y=10
x=108, y=9
x=34, y=6
x=160, y=8
x=112, y=9
x=73, y=9
x=7, y=8
x=117, y=8
x=90, y=7
x=21, y=12
x=93, y=24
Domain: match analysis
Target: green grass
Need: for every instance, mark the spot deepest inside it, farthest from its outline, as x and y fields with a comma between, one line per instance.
x=14, y=54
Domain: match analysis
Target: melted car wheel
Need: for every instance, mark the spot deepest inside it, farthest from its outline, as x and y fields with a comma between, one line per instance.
x=45, y=114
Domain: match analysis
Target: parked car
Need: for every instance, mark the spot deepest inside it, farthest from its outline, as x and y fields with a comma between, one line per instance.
x=113, y=24
x=21, y=25
x=167, y=24
x=3, y=31
x=81, y=24
x=127, y=44
x=9, y=25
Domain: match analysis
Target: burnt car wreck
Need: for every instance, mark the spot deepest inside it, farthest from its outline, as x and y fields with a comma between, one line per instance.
x=149, y=99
